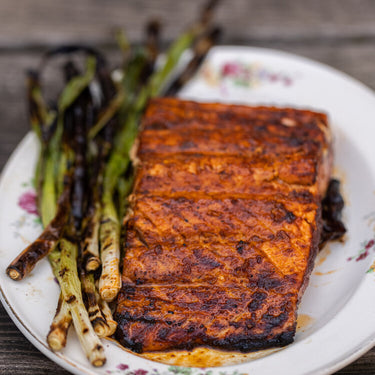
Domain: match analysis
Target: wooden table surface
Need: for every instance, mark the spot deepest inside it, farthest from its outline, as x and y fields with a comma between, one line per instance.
x=340, y=33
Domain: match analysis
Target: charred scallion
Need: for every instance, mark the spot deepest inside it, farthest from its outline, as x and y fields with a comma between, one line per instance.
x=107, y=313
x=58, y=332
x=97, y=319
x=62, y=320
x=71, y=290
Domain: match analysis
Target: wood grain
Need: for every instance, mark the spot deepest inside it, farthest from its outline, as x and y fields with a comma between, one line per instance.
x=44, y=22
x=340, y=33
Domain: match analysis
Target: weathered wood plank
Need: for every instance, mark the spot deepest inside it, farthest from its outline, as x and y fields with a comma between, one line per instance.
x=44, y=22
x=18, y=356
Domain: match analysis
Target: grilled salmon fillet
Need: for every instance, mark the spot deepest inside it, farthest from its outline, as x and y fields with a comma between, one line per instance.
x=224, y=225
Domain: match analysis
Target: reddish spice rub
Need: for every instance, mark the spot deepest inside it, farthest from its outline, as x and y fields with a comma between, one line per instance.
x=224, y=225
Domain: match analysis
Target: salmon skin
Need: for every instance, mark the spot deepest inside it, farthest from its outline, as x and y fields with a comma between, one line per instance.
x=224, y=225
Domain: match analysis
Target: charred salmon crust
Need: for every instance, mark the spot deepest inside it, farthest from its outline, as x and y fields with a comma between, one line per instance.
x=223, y=226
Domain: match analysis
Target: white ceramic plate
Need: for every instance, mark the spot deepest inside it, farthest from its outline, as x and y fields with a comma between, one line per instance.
x=338, y=308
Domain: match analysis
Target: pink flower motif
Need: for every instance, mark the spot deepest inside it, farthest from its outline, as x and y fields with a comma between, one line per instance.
x=230, y=69
x=369, y=244
x=140, y=372
x=27, y=202
x=274, y=77
x=122, y=366
x=362, y=256
x=287, y=81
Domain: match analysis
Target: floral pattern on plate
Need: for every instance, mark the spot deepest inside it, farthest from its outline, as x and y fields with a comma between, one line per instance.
x=30, y=217
x=244, y=74
x=123, y=369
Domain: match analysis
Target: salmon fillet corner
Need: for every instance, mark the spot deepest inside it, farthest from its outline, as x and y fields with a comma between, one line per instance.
x=224, y=225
